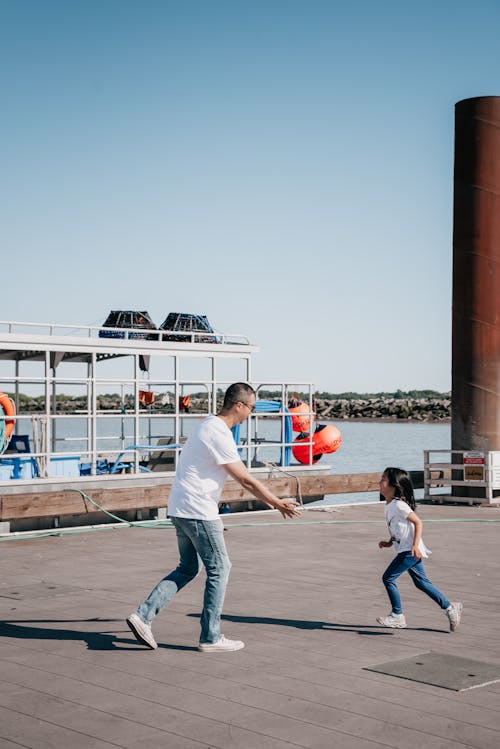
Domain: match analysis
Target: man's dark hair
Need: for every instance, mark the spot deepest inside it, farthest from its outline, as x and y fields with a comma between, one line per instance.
x=237, y=392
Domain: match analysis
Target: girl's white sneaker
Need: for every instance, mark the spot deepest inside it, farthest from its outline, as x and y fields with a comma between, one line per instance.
x=454, y=614
x=395, y=621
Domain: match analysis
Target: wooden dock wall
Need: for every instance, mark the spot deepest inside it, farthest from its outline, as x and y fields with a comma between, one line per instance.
x=70, y=502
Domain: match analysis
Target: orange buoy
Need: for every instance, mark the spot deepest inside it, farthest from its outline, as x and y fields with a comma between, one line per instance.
x=300, y=451
x=326, y=439
x=300, y=423
x=8, y=407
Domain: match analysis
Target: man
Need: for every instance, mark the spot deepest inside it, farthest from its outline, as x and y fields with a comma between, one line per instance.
x=209, y=456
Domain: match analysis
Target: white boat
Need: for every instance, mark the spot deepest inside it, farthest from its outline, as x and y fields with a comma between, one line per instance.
x=105, y=411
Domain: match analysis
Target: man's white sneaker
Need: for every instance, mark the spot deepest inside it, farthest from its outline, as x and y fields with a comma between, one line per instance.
x=141, y=631
x=223, y=645
x=395, y=621
x=454, y=614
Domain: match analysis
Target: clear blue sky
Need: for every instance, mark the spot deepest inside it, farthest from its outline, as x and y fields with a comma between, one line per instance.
x=284, y=167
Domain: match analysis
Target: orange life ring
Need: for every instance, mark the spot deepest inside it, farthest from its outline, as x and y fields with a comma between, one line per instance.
x=326, y=439
x=9, y=409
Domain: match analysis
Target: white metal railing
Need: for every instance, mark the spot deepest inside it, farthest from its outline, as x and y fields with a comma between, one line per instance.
x=51, y=451
x=154, y=335
x=476, y=469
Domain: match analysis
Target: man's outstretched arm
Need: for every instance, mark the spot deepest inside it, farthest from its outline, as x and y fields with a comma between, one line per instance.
x=239, y=472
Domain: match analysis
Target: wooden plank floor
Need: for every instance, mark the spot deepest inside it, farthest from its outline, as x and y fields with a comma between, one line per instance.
x=303, y=595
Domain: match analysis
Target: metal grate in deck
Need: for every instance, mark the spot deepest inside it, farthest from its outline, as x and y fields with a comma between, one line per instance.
x=442, y=670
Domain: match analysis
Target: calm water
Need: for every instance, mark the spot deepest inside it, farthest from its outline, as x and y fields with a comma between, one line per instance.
x=371, y=446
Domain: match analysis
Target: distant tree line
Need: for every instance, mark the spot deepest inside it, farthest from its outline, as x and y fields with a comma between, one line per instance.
x=269, y=394
x=397, y=395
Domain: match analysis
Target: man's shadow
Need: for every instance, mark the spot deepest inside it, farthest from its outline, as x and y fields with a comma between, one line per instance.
x=24, y=629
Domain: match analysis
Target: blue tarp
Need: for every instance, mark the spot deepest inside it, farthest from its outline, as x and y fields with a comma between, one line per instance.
x=265, y=406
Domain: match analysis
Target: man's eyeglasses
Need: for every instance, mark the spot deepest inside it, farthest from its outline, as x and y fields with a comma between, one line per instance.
x=251, y=408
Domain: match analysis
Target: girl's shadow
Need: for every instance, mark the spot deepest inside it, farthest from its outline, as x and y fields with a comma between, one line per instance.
x=361, y=629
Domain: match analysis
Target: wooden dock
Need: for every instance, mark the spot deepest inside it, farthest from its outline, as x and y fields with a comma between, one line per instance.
x=303, y=595
x=50, y=504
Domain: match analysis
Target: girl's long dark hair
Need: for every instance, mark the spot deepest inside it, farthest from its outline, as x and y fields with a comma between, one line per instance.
x=401, y=482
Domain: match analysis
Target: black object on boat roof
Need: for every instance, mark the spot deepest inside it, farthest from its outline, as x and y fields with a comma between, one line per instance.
x=128, y=319
x=185, y=322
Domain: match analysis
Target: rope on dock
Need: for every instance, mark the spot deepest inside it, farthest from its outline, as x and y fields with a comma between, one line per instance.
x=129, y=523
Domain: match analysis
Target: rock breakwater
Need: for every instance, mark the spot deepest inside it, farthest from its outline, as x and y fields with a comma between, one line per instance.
x=386, y=409
x=378, y=407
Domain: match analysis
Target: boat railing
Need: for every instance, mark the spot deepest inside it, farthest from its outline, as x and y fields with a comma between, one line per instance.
x=112, y=333
x=266, y=437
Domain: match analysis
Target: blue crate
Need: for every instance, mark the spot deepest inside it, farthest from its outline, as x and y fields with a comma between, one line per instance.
x=17, y=468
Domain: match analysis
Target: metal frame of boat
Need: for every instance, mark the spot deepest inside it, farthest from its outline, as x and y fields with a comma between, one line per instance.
x=115, y=446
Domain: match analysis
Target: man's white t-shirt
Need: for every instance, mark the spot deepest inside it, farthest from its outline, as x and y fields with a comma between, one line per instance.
x=201, y=475
x=401, y=529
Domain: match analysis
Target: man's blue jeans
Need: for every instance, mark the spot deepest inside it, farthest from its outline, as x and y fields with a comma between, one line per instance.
x=197, y=540
x=406, y=562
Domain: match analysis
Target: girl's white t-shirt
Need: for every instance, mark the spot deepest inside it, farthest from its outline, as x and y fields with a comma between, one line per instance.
x=201, y=475
x=401, y=529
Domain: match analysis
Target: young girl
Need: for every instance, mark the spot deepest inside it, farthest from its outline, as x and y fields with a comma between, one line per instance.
x=405, y=528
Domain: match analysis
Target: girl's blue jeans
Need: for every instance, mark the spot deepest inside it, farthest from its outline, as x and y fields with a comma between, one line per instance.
x=197, y=540
x=406, y=562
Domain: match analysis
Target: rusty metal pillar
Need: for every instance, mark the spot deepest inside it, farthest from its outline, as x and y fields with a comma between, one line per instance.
x=476, y=276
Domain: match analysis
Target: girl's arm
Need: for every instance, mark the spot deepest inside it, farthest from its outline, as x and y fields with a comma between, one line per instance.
x=417, y=535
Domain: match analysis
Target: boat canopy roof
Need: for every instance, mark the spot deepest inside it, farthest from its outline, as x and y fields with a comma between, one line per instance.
x=30, y=341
